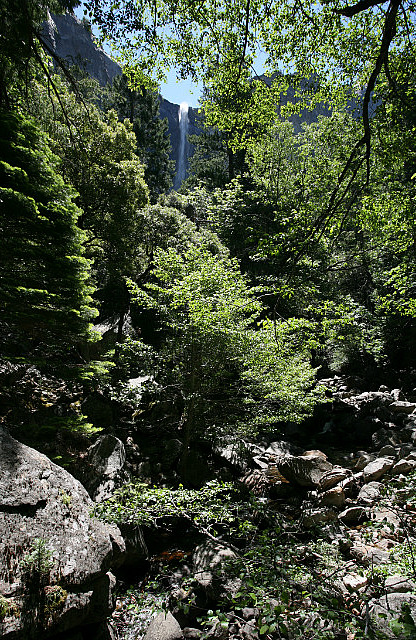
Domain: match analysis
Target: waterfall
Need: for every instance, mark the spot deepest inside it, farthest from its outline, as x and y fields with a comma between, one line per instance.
x=182, y=152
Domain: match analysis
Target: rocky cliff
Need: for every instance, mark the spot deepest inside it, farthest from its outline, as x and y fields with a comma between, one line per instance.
x=72, y=41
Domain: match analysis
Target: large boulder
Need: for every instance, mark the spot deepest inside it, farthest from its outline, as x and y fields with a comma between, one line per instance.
x=55, y=556
x=164, y=627
x=107, y=459
x=374, y=470
x=306, y=470
x=391, y=613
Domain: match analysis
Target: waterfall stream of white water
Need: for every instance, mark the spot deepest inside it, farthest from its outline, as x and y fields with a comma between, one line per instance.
x=182, y=154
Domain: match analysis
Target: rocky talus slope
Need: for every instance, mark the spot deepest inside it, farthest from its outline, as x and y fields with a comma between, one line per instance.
x=351, y=515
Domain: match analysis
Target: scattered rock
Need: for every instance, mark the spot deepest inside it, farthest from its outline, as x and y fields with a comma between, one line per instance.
x=399, y=584
x=363, y=460
x=318, y=516
x=334, y=497
x=305, y=470
x=388, y=515
x=353, y=515
x=401, y=406
x=164, y=627
x=403, y=466
x=370, y=492
x=387, y=450
x=191, y=634
x=384, y=438
x=280, y=448
x=333, y=477
x=388, y=608
x=367, y=554
x=354, y=582
x=376, y=469
x=249, y=613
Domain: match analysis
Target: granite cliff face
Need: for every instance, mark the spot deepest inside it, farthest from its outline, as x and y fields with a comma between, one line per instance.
x=72, y=41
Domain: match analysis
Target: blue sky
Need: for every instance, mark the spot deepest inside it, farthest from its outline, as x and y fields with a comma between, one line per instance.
x=182, y=91
x=173, y=90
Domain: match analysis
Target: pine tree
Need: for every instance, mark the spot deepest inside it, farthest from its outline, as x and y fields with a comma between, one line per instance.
x=44, y=293
x=141, y=107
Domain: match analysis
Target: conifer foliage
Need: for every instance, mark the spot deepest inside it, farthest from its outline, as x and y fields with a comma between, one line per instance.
x=44, y=294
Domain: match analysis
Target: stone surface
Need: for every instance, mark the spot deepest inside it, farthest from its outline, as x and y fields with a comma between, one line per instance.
x=370, y=492
x=334, y=497
x=207, y=559
x=353, y=515
x=72, y=42
x=363, y=460
x=383, y=438
x=164, y=627
x=333, y=477
x=280, y=447
x=403, y=466
x=367, y=554
x=401, y=406
x=387, y=450
x=192, y=633
x=389, y=608
x=305, y=470
x=376, y=469
x=107, y=458
x=318, y=516
x=354, y=582
x=399, y=584
x=41, y=501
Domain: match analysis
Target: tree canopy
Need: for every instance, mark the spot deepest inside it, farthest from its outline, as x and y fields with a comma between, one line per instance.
x=340, y=47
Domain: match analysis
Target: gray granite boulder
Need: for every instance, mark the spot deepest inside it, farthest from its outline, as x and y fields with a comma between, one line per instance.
x=107, y=459
x=164, y=627
x=388, y=611
x=306, y=470
x=55, y=556
x=376, y=469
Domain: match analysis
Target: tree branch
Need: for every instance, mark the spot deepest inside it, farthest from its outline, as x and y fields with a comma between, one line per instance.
x=350, y=12
x=246, y=32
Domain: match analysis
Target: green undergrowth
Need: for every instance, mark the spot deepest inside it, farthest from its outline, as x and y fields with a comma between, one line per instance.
x=50, y=426
x=291, y=579
x=218, y=507
x=288, y=581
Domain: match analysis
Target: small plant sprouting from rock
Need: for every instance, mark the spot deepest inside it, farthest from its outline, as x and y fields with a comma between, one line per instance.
x=55, y=597
x=4, y=607
x=38, y=563
x=66, y=498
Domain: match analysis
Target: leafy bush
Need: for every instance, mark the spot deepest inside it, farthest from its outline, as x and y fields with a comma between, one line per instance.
x=214, y=508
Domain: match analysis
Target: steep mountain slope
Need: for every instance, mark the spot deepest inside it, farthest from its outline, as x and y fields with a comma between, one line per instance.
x=72, y=41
